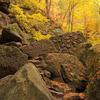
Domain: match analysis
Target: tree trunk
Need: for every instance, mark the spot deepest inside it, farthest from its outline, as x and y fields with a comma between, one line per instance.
x=48, y=6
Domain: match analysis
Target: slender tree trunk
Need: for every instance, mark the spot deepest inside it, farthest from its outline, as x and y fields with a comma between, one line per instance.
x=72, y=22
x=48, y=7
x=69, y=13
x=39, y=0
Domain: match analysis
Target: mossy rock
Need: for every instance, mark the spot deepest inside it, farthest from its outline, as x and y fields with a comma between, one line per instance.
x=26, y=38
x=26, y=84
x=93, y=88
x=11, y=59
x=9, y=36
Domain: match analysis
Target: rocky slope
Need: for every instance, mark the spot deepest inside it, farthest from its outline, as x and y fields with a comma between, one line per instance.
x=64, y=67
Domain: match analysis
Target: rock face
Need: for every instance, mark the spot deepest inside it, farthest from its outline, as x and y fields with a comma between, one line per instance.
x=82, y=50
x=39, y=48
x=4, y=20
x=26, y=84
x=68, y=66
x=68, y=42
x=13, y=33
x=11, y=59
x=4, y=5
x=16, y=28
x=93, y=88
x=85, y=54
x=9, y=36
x=90, y=57
x=96, y=48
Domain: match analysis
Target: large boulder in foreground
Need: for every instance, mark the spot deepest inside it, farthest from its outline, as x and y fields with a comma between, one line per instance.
x=26, y=84
x=11, y=59
x=68, y=66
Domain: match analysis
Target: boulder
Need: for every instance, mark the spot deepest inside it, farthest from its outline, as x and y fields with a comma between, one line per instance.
x=82, y=49
x=9, y=35
x=16, y=27
x=4, y=5
x=4, y=20
x=93, y=88
x=11, y=59
x=26, y=84
x=69, y=67
x=84, y=53
x=90, y=57
x=39, y=48
x=96, y=48
x=68, y=42
x=57, y=31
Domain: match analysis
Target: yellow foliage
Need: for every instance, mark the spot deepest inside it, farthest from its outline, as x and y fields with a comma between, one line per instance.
x=39, y=36
x=64, y=26
x=85, y=16
x=28, y=21
x=38, y=17
x=30, y=3
x=94, y=39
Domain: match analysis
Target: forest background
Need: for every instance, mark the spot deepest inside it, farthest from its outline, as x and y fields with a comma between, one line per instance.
x=39, y=17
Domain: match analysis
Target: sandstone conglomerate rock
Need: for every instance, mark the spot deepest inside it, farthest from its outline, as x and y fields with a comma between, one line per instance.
x=68, y=42
x=67, y=66
x=26, y=84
